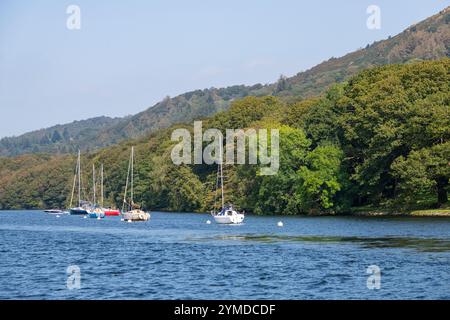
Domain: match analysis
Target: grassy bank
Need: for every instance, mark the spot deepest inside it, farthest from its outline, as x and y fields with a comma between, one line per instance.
x=373, y=212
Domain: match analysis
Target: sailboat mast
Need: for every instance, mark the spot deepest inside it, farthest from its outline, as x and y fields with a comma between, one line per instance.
x=126, y=185
x=221, y=175
x=79, y=178
x=101, y=187
x=132, y=175
x=93, y=181
x=73, y=186
x=217, y=188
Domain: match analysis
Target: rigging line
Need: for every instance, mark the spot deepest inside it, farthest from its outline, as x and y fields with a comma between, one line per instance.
x=132, y=175
x=83, y=188
x=126, y=186
x=215, y=190
x=101, y=186
x=221, y=174
x=73, y=185
x=94, y=184
x=73, y=189
x=79, y=177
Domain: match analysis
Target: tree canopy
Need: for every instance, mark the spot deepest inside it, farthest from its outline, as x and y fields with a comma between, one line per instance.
x=381, y=138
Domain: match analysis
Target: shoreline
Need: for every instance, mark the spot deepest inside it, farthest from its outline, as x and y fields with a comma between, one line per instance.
x=411, y=213
x=442, y=213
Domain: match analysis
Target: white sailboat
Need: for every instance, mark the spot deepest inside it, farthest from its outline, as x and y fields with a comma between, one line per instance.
x=133, y=213
x=82, y=205
x=227, y=214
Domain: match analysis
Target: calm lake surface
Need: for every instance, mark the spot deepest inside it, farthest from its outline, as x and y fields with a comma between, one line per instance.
x=179, y=256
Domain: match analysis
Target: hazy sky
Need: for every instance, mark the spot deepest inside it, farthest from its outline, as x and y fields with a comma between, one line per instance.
x=128, y=55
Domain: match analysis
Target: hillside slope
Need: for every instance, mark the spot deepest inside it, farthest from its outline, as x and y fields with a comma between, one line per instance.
x=64, y=138
x=381, y=139
x=427, y=40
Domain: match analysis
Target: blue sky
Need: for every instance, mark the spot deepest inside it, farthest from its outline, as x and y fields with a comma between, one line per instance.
x=128, y=55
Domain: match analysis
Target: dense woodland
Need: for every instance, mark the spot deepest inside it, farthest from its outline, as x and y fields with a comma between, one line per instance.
x=380, y=139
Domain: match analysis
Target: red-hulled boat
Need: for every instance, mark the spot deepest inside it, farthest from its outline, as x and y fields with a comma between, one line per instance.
x=107, y=211
x=112, y=212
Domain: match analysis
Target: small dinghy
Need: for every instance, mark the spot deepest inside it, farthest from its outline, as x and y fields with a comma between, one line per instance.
x=54, y=211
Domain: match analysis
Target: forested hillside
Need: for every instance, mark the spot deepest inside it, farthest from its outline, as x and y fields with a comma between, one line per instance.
x=382, y=138
x=60, y=138
x=427, y=40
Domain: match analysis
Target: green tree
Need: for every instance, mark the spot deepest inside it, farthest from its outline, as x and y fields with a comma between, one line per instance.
x=276, y=194
x=174, y=187
x=321, y=121
x=321, y=178
x=56, y=136
x=387, y=112
x=424, y=171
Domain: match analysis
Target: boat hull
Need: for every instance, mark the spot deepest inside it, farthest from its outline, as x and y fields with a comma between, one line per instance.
x=110, y=212
x=229, y=219
x=96, y=215
x=54, y=211
x=136, y=215
x=78, y=212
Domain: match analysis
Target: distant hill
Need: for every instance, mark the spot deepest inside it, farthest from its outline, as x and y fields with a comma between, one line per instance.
x=60, y=138
x=427, y=40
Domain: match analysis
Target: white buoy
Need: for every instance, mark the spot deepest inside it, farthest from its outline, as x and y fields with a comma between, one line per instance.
x=122, y=219
x=280, y=224
x=129, y=220
x=208, y=222
x=57, y=216
x=84, y=217
x=98, y=218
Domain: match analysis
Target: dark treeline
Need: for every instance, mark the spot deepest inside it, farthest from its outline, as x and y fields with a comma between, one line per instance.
x=381, y=139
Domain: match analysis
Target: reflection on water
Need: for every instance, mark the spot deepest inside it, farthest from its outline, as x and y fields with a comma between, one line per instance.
x=419, y=244
x=416, y=243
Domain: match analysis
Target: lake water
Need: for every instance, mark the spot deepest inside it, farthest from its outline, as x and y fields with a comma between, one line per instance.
x=179, y=256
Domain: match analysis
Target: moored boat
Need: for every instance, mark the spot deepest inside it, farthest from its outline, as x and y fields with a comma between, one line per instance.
x=95, y=211
x=54, y=211
x=136, y=215
x=134, y=212
x=82, y=208
x=107, y=211
x=227, y=214
x=111, y=212
x=78, y=211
